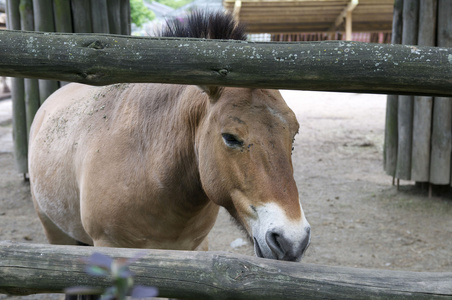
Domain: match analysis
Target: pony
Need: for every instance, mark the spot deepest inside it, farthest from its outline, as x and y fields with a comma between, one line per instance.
x=149, y=165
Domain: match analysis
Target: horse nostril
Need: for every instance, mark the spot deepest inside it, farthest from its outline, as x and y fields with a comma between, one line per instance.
x=272, y=242
x=276, y=243
x=287, y=249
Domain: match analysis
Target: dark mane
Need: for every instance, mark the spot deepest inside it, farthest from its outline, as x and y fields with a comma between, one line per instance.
x=199, y=24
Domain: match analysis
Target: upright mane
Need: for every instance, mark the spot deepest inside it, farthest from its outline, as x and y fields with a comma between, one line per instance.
x=208, y=25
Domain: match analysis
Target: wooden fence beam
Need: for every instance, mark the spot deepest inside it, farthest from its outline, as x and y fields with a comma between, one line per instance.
x=34, y=268
x=340, y=18
x=329, y=66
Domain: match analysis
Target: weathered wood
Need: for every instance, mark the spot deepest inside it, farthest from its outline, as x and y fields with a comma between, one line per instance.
x=444, y=23
x=13, y=15
x=422, y=115
x=404, y=131
x=330, y=66
x=406, y=103
x=397, y=22
x=99, y=16
x=20, y=132
x=63, y=16
x=26, y=15
x=43, y=15
x=125, y=17
x=114, y=16
x=391, y=134
x=427, y=23
x=440, y=172
x=441, y=141
x=32, y=100
x=44, y=21
x=33, y=268
x=410, y=22
x=422, y=120
x=81, y=16
x=63, y=19
x=18, y=101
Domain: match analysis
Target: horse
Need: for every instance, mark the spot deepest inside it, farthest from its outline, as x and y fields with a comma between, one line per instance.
x=149, y=165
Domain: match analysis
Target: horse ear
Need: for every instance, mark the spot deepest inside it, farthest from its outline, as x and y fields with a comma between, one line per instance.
x=214, y=92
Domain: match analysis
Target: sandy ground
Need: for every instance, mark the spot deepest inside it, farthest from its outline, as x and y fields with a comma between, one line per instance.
x=358, y=218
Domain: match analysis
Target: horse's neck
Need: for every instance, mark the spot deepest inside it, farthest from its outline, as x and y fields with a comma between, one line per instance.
x=170, y=116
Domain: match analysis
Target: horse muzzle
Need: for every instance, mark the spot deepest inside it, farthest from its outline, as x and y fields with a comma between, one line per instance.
x=278, y=245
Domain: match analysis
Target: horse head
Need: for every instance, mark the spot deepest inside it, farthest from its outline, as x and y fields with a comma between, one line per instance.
x=244, y=147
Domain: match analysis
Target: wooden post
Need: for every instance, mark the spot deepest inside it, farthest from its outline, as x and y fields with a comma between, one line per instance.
x=18, y=101
x=50, y=16
x=44, y=21
x=422, y=116
x=442, y=108
x=43, y=15
x=343, y=14
x=348, y=26
x=114, y=16
x=406, y=103
x=99, y=16
x=63, y=17
x=405, y=130
x=236, y=11
x=32, y=99
x=81, y=16
x=125, y=17
x=391, y=133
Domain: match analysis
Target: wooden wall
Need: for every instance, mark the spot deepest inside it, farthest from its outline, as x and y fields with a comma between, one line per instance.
x=80, y=16
x=418, y=133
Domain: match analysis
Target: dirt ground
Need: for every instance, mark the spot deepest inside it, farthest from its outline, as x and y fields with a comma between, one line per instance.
x=358, y=218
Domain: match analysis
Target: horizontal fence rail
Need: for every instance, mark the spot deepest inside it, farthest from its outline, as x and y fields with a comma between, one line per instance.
x=34, y=268
x=100, y=59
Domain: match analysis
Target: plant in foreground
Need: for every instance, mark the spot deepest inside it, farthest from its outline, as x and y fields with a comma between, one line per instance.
x=118, y=270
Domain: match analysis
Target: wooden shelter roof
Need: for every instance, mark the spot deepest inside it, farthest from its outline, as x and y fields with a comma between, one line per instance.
x=287, y=16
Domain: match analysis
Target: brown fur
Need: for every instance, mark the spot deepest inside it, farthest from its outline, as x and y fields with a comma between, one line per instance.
x=144, y=165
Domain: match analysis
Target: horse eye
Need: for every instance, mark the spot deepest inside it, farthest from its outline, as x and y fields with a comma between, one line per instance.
x=231, y=141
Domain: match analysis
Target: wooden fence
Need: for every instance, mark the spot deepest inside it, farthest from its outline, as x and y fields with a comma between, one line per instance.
x=81, y=16
x=33, y=268
x=418, y=134
x=328, y=66
x=332, y=66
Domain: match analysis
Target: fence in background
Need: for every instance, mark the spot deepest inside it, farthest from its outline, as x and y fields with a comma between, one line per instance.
x=81, y=16
x=418, y=132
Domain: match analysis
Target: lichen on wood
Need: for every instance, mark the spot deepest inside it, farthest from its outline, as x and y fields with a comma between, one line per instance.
x=329, y=66
x=213, y=275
